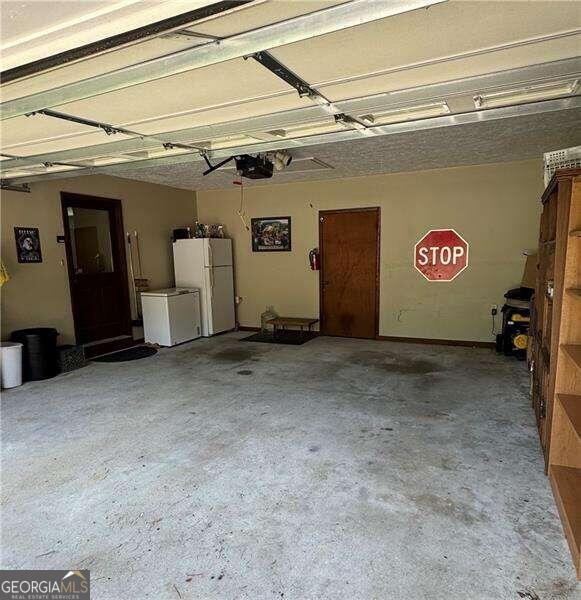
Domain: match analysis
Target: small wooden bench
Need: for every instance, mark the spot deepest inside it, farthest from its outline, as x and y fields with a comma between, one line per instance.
x=284, y=322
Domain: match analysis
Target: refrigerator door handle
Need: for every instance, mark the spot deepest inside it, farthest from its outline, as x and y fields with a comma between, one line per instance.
x=210, y=257
x=211, y=282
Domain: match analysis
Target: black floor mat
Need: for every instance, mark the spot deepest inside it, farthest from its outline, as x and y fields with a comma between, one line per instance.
x=134, y=353
x=286, y=336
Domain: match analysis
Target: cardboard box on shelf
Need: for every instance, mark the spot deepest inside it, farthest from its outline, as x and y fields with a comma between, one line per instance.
x=529, y=277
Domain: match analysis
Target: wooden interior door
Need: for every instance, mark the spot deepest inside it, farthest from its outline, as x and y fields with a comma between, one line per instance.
x=349, y=276
x=95, y=245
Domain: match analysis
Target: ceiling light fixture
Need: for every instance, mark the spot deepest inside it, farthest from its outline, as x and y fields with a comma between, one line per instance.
x=532, y=93
x=280, y=159
x=407, y=113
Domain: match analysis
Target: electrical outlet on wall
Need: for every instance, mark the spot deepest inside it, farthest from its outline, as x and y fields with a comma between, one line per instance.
x=494, y=309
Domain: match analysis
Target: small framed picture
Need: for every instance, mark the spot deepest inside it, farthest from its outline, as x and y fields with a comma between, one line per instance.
x=28, y=245
x=271, y=234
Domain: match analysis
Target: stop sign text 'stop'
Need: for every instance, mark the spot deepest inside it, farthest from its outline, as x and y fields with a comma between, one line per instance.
x=441, y=255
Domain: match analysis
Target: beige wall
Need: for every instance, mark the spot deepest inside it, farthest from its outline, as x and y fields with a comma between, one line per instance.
x=38, y=294
x=495, y=207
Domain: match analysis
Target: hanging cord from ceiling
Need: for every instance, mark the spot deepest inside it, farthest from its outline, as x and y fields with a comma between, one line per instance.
x=241, y=212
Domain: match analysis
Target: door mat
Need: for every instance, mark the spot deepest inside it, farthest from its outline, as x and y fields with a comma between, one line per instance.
x=134, y=353
x=286, y=336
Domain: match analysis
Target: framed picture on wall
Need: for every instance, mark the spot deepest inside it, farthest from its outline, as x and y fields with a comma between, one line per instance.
x=271, y=234
x=28, y=244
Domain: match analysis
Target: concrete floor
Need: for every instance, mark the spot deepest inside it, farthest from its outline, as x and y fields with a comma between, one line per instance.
x=341, y=469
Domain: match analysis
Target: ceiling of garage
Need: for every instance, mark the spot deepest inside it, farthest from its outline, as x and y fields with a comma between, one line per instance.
x=460, y=49
x=479, y=143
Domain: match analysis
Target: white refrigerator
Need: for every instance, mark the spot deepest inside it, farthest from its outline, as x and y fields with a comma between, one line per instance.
x=206, y=263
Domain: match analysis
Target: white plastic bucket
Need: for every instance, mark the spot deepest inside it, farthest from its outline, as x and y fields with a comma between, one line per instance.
x=11, y=353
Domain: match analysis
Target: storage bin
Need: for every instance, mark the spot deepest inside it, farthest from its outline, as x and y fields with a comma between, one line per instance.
x=11, y=356
x=39, y=356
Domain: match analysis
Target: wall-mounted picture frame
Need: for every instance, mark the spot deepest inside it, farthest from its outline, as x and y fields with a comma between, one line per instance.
x=28, y=244
x=271, y=234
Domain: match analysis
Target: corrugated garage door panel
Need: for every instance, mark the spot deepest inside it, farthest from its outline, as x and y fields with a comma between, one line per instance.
x=23, y=136
x=260, y=13
x=94, y=66
x=229, y=81
x=465, y=67
x=441, y=30
x=220, y=115
x=245, y=18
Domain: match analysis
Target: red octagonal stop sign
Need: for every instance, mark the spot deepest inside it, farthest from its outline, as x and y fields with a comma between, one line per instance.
x=441, y=255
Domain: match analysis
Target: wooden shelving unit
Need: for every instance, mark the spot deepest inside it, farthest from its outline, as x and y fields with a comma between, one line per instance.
x=574, y=353
x=556, y=348
x=572, y=408
x=566, y=482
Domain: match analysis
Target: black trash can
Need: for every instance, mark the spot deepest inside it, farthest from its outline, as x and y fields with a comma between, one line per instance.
x=39, y=354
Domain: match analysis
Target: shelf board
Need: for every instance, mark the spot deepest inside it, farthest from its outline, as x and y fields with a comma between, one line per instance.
x=574, y=292
x=572, y=406
x=574, y=353
x=575, y=233
x=566, y=484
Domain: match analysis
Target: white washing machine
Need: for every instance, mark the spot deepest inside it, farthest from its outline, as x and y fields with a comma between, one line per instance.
x=171, y=316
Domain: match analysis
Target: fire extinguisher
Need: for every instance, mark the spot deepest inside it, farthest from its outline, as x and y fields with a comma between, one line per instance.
x=314, y=259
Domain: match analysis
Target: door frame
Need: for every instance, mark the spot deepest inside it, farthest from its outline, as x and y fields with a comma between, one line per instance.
x=117, y=240
x=322, y=213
